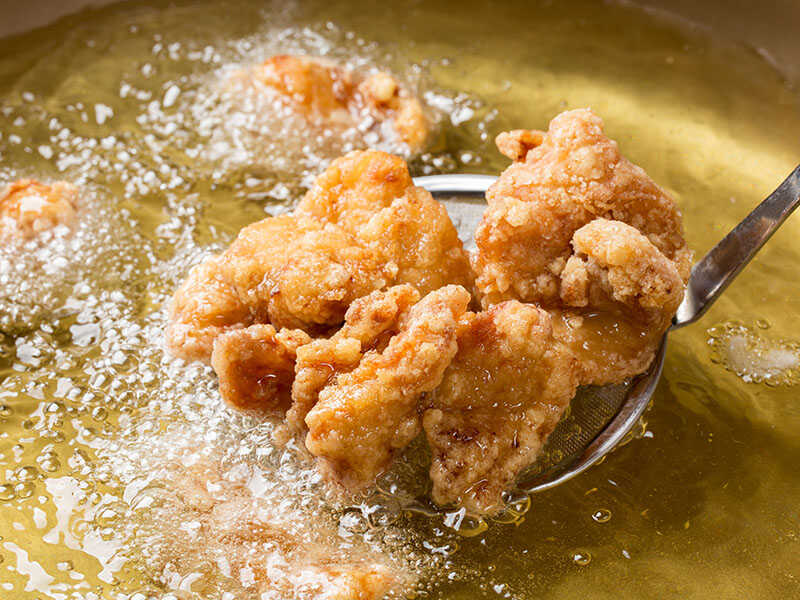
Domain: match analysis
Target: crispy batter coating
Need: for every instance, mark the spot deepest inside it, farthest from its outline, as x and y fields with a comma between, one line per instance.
x=625, y=292
x=203, y=307
x=263, y=549
x=581, y=262
x=29, y=207
x=393, y=103
x=331, y=95
x=255, y=366
x=294, y=271
x=614, y=262
x=370, y=194
x=573, y=227
x=576, y=228
x=365, y=416
x=499, y=399
x=518, y=366
x=362, y=227
x=315, y=85
x=355, y=187
x=369, y=323
x=558, y=182
x=289, y=271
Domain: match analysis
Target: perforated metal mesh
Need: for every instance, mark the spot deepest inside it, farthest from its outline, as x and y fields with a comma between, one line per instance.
x=590, y=411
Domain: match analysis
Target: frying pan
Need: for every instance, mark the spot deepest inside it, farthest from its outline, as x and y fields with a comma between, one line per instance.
x=769, y=27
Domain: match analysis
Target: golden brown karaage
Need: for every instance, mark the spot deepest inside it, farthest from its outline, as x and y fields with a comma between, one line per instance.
x=371, y=196
x=202, y=308
x=559, y=181
x=255, y=366
x=369, y=324
x=364, y=417
x=29, y=207
x=498, y=401
x=293, y=271
x=288, y=271
x=581, y=264
x=615, y=263
x=362, y=227
x=328, y=94
x=576, y=228
x=620, y=294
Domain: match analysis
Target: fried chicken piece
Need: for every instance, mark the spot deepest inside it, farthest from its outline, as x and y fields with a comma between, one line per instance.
x=518, y=366
x=331, y=95
x=369, y=324
x=575, y=227
x=255, y=366
x=29, y=207
x=289, y=271
x=317, y=570
x=355, y=187
x=293, y=271
x=203, y=307
x=393, y=103
x=265, y=550
x=558, y=182
x=365, y=416
x=371, y=195
x=625, y=292
x=499, y=399
x=362, y=227
x=314, y=85
x=615, y=263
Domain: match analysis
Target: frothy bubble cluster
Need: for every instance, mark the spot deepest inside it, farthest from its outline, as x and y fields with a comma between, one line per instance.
x=753, y=355
x=48, y=274
x=119, y=453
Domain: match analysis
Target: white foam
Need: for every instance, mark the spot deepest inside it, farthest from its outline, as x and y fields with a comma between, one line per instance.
x=755, y=357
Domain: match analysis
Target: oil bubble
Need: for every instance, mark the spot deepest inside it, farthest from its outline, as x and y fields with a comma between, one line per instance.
x=383, y=515
x=601, y=515
x=27, y=473
x=50, y=464
x=64, y=565
x=25, y=489
x=54, y=436
x=581, y=558
x=106, y=516
x=353, y=522
x=7, y=492
x=79, y=527
x=472, y=526
x=513, y=513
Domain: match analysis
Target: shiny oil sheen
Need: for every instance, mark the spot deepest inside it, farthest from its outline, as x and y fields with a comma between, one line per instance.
x=703, y=504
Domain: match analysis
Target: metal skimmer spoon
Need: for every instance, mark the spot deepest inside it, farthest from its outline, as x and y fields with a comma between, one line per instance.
x=600, y=417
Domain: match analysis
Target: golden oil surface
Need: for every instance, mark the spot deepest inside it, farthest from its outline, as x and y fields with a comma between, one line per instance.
x=702, y=505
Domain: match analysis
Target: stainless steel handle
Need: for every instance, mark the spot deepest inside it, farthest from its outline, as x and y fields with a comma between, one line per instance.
x=466, y=184
x=722, y=264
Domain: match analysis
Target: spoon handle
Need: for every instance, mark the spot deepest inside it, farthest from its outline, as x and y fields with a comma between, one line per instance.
x=462, y=184
x=717, y=269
